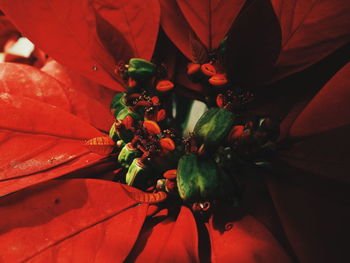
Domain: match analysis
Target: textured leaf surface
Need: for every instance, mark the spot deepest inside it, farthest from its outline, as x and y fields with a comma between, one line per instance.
x=72, y=79
x=136, y=20
x=36, y=138
x=22, y=80
x=209, y=19
x=242, y=239
x=175, y=26
x=311, y=30
x=167, y=240
x=68, y=34
x=75, y=220
x=320, y=135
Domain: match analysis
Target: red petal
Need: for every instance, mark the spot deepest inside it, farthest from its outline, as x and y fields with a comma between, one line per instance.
x=315, y=219
x=210, y=20
x=75, y=220
x=244, y=240
x=37, y=138
x=74, y=80
x=321, y=132
x=311, y=30
x=68, y=33
x=168, y=240
x=30, y=82
x=253, y=44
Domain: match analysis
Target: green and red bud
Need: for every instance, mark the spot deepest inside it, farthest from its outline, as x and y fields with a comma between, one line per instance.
x=127, y=155
x=140, y=69
x=136, y=173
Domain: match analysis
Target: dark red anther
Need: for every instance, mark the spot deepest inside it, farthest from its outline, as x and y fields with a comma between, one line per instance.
x=208, y=69
x=155, y=100
x=164, y=85
x=201, y=149
x=161, y=115
x=170, y=174
x=143, y=103
x=128, y=122
x=220, y=100
x=218, y=80
x=193, y=68
x=170, y=185
x=205, y=206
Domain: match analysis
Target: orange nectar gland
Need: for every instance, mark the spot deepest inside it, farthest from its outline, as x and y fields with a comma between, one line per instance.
x=167, y=144
x=170, y=174
x=101, y=145
x=164, y=85
x=193, y=68
x=218, y=80
x=208, y=69
x=235, y=133
x=152, y=127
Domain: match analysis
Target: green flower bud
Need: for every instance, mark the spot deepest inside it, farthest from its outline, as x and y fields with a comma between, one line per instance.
x=127, y=155
x=140, y=69
x=214, y=125
x=125, y=112
x=136, y=173
x=197, y=179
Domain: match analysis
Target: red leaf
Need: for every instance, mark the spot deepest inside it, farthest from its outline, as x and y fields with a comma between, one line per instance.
x=72, y=79
x=311, y=30
x=244, y=239
x=167, y=240
x=210, y=20
x=253, y=44
x=136, y=20
x=176, y=26
x=66, y=30
x=320, y=135
x=74, y=220
x=316, y=222
x=22, y=80
x=38, y=138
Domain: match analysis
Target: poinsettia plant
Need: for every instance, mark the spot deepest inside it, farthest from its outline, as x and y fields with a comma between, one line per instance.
x=105, y=159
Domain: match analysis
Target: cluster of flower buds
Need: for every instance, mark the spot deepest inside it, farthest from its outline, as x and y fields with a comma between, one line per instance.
x=196, y=169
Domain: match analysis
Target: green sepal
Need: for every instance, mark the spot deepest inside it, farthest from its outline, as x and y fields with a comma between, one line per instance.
x=118, y=102
x=136, y=173
x=113, y=134
x=127, y=154
x=197, y=179
x=125, y=112
x=214, y=125
x=140, y=69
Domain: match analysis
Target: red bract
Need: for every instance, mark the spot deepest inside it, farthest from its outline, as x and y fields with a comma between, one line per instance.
x=297, y=210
